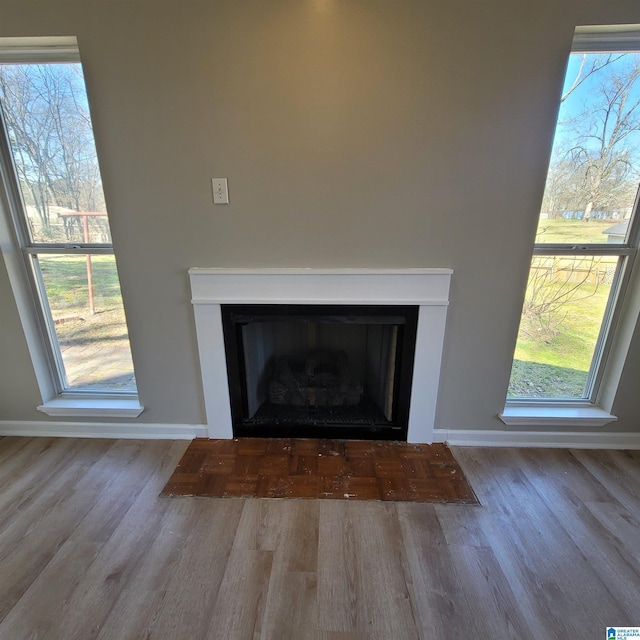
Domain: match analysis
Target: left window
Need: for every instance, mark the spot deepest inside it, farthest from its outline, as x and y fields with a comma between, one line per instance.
x=53, y=191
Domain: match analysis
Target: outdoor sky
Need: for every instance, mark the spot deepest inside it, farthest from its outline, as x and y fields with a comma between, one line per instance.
x=586, y=94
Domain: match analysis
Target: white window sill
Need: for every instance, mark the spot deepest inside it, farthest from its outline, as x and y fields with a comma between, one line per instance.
x=96, y=407
x=550, y=415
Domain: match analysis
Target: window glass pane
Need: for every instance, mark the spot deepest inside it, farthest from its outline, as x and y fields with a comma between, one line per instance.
x=595, y=163
x=563, y=311
x=83, y=294
x=47, y=119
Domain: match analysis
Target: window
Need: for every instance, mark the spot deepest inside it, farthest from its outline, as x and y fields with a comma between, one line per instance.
x=587, y=231
x=53, y=187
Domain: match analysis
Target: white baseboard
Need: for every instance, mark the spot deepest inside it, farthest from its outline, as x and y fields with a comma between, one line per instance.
x=454, y=437
x=103, y=430
x=557, y=439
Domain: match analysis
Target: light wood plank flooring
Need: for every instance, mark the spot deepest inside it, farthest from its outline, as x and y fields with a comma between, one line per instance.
x=88, y=549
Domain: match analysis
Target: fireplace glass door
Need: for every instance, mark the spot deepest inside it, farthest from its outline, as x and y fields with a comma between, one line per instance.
x=320, y=371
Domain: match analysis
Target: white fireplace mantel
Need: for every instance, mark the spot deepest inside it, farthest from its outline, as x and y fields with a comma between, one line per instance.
x=426, y=288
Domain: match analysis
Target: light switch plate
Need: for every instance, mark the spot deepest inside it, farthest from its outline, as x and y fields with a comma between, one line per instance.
x=220, y=191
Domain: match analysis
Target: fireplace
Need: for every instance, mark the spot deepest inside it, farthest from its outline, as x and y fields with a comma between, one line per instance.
x=320, y=352
x=320, y=371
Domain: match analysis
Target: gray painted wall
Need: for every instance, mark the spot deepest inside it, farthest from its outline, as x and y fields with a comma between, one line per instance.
x=354, y=133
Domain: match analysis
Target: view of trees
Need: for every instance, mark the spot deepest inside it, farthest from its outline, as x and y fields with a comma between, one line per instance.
x=49, y=132
x=593, y=178
x=49, y=128
x=553, y=282
x=594, y=165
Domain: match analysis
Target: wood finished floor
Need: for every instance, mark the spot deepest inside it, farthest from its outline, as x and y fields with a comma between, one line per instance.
x=325, y=469
x=88, y=549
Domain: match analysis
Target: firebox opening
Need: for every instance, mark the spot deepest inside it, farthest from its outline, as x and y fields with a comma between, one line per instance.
x=320, y=371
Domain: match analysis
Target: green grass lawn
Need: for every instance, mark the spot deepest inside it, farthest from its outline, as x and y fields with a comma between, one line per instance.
x=572, y=231
x=557, y=365
x=534, y=380
x=65, y=280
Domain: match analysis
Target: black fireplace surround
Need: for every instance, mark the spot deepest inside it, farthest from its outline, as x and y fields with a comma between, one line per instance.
x=320, y=371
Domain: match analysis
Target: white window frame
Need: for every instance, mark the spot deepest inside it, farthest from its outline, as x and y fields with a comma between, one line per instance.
x=17, y=249
x=622, y=309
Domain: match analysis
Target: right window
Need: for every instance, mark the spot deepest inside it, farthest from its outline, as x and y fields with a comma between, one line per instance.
x=586, y=238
